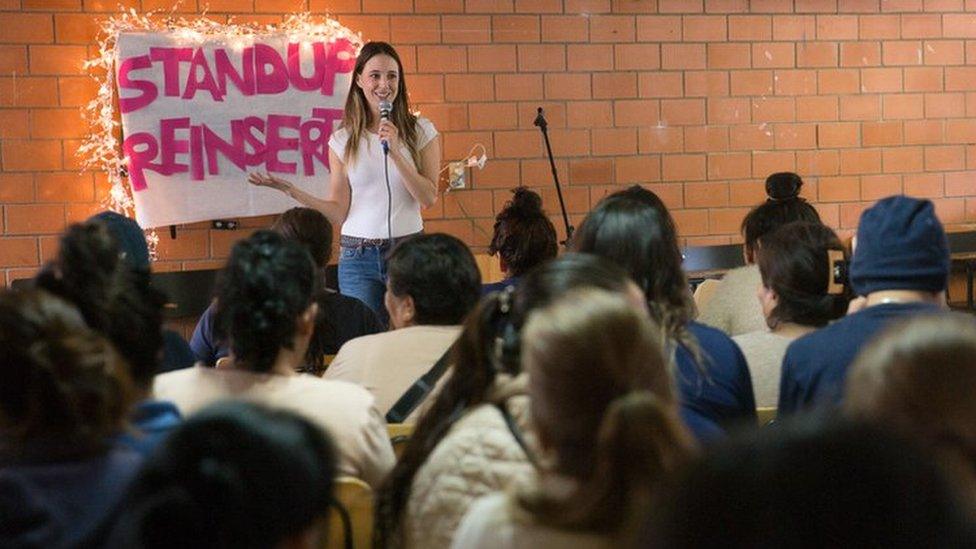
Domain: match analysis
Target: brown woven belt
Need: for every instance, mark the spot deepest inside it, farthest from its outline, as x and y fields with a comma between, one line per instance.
x=347, y=241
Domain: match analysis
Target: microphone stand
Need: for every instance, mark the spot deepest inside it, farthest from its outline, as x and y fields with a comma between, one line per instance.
x=540, y=121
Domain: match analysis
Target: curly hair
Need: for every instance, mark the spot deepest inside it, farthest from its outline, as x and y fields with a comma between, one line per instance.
x=523, y=236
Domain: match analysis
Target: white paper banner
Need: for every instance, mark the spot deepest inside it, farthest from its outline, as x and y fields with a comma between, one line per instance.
x=197, y=117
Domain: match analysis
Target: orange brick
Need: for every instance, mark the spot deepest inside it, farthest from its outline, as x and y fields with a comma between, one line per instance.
x=65, y=187
x=568, y=86
x=874, y=187
x=729, y=166
x=438, y=59
x=426, y=88
x=468, y=87
x=924, y=132
x=960, y=184
x=750, y=137
x=752, y=82
x=815, y=6
x=860, y=161
x=614, y=141
x=35, y=218
x=636, y=56
x=683, y=167
x=706, y=195
x=424, y=6
x=860, y=107
x=945, y=158
x=728, y=111
x=13, y=59
x=750, y=28
x=923, y=79
x=470, y=203
x=838, y=135
x=593, y=171
x=47, y=123
x=466, y=29
x=902, y=159
x=945, y=105
x=944, y=52
x=902, y=53
x=816, y=54
x=459, y=144
x=904, y=106
x=14, y=124
x=32, y=91
x=795, y=82
x=816, y=108
x=850, y=213
x=16, y=187
x=590, y=114
x=794, y=27
x=703, y=28
x=680, y=6
x=415, y=29
x=497, y=174
x=838, y=189
x=541, y=57
x=637, y=169
x=565, y=28
x=660, y=139
x=747, y=193
x=612, y=28
x=706, y=83
x=683, y=112
x=959, y=25
x=637, y=112
x=18, y=252
x=373, y=27
x=660, y=84
x=860, y=54
x=31, y=155
x=448, y=117
x=950, y=210
x=514, y=87
x=23, y=28
x=876, y=134
x=773, y=109
x=885, y=80
x=614, y=85
x=706, y=138
x=836, y=27
x=902, y=6
x=515, y=28
x=500, y=58
x=729, y=55
x=726, y=6
x=683, y=56
x=795, y=136
x=690, y=222
x=658, y=28
x=960, y=131
x=924, y=185
x=839, y=81
x=485, y=116
x=571, y=142
x=773, y=55
x=921, y=26
x=725, y=221
x=818, y=162
x=960, y=78
x=871, y=27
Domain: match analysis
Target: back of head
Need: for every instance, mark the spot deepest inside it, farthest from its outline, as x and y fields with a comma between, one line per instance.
x=93, y=273
x=265, y=286
x=310, y=228
x=919, y=377
x=795, y=264
x=129, y=236
x=812, y=485
x=235, y=475
x=439, y=273
x=901, y=245
x=602, y=402
x=60, y=382
x=523, y=235
x=783, y=205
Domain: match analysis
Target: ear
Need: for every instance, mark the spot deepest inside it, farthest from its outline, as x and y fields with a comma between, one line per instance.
x=408, y=312
x=305, y=324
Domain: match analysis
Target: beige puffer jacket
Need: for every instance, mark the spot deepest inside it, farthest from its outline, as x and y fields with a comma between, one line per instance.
x=478, y=456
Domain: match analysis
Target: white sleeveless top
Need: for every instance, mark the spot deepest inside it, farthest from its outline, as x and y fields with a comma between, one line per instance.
x=368, y=206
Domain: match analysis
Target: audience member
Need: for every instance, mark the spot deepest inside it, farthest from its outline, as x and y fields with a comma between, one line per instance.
x=919, y=378
x=432, y=283
x=800, y=292
x=900, y=267
x=727, y=304
x=340, y=317
x=265, y=309
x=808, y=485
x=116, y=300
x=64, y=394
x=523, y=238
x=465, y=445
x=603, y=409
x=233, y=476
x=635, y=229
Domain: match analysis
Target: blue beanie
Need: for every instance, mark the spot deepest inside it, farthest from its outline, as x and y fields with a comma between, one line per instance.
x=901, y=245
x=131, y=239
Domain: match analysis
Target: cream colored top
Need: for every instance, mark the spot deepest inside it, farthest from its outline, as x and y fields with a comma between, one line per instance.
x=733, y=306
x=347, y=412
x=764, y=352
x=387, y=364
x=494, y=522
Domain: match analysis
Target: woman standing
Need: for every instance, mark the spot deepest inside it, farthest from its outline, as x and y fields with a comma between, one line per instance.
x=383, y=171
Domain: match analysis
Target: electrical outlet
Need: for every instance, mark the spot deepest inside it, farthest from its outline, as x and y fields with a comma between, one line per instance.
x=456, y=179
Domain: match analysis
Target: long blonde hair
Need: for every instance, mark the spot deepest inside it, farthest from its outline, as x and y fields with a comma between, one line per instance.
x=357, y=115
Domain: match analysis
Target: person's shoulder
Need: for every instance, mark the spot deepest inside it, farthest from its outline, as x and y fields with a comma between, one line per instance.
x=744, y=274
x=709, y=336
x=426, y=132
x=330, y=389
x=487, y=523
x=339, y=137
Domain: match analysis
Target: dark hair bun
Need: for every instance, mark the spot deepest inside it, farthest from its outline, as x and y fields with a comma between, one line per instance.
x=783, y=186
x=525, y=203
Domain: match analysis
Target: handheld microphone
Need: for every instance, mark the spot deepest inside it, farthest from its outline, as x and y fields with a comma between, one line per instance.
x=385, y=108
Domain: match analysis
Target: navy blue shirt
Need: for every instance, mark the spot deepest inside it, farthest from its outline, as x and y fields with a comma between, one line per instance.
x=721, y=398
x=152, y=421
x=498, y=286
x=815, y=365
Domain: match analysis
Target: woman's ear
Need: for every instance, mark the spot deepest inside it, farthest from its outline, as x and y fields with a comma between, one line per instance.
x=306, y=322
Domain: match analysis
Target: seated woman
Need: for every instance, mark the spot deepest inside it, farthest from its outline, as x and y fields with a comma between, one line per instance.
x=234, y=475
x=727, y=304
x=265, y=308
x=64, y=394
x=607, y=420
x=523, y=238
x=798, y=294
x=340, y=317
x=465, y=445
x=918, y=378
x=634, y=229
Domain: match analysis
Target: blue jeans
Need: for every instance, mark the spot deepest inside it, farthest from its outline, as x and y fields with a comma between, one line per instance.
x=362, y=275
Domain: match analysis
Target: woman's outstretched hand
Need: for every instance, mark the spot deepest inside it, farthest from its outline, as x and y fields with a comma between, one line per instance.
x=268, y=180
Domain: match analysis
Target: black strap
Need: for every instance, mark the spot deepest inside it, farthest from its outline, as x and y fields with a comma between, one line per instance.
x=417, y=392
x=517, y=433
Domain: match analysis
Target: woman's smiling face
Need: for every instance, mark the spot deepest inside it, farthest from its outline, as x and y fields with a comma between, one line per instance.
x=379, y=80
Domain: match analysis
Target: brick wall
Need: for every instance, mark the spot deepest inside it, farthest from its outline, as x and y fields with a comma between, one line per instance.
x=697, y=99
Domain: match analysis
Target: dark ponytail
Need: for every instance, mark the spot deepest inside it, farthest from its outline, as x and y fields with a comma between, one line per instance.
x=783, y=205
x=523, y=234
